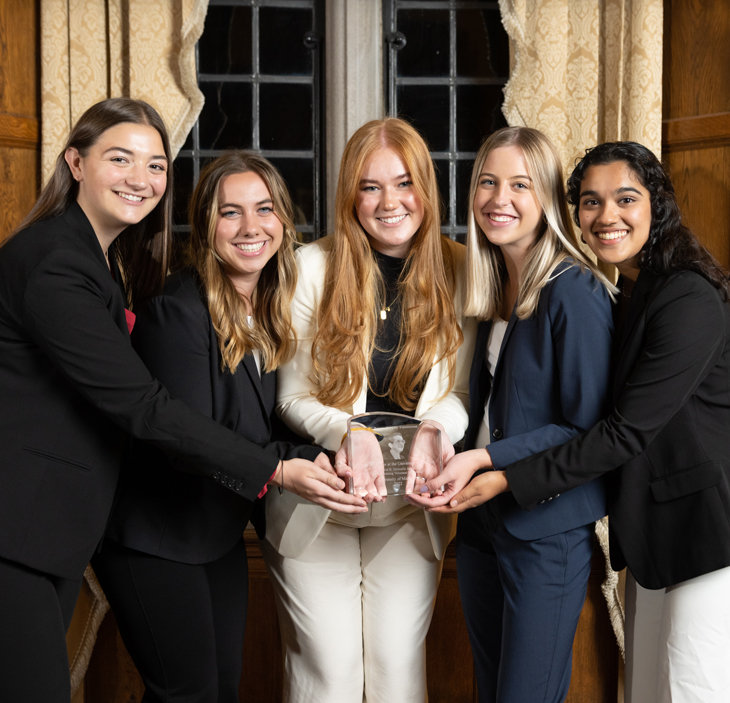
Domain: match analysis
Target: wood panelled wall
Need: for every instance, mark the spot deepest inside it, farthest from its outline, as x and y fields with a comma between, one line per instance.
x=696, y=119
x=696, y=143
x=19, y=110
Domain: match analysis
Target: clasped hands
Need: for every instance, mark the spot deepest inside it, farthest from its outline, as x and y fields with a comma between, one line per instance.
x=367, y=473
x=454, y=490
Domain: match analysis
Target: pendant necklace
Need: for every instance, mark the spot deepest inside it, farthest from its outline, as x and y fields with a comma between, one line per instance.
x=386, y=308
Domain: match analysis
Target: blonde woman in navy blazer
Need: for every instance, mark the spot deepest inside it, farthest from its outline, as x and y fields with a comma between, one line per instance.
x=523, y=575
x=664, y=449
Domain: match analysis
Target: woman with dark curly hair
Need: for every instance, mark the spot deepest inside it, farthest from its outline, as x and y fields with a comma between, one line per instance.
x=664, y=449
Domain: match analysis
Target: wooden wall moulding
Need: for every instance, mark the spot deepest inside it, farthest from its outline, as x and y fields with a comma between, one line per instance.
x=702, y=132
x=19, y=131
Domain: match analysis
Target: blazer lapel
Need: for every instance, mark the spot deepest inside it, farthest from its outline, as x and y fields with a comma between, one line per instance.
x=507, y=334
x=76, y=218
x=642, y=289
x=479, y=371
x=646, y=288
x=249, y=364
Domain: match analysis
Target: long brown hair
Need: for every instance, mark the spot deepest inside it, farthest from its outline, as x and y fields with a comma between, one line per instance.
x=353, y=286
x=486, y=272
x=272, y=333
x=142, y=250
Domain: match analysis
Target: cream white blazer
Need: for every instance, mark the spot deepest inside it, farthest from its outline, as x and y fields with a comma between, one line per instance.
x=293, y=523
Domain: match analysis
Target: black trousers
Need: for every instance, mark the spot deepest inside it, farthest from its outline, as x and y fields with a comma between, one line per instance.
x=183, y=624
x=35, y=612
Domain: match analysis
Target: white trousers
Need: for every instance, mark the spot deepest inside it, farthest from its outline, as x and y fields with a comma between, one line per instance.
x=678, y=641
x=354, y=611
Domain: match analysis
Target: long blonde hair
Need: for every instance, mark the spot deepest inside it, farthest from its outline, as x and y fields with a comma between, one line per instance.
x=353, y=287
x=272, y=334
x=486, y=272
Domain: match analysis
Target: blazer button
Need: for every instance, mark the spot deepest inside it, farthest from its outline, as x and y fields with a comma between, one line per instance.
x=497, y=433
x=217, y=475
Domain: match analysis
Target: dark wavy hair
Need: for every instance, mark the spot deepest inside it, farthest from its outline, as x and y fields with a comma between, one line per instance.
x=671, y=246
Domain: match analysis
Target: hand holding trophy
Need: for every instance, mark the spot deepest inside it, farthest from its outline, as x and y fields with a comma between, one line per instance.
x=390, y=454
x=364, y=475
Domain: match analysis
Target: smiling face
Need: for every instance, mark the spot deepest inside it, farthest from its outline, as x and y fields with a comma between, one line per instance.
x=505, y=204
x=248, y=233
x=614, y=211
x=387, y=204
x=121, y=179
x=397, y=444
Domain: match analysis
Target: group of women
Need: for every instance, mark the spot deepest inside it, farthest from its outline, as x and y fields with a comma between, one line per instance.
x=143, y=425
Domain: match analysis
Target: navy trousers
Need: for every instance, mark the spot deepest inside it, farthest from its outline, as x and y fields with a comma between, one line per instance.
x=522, y=601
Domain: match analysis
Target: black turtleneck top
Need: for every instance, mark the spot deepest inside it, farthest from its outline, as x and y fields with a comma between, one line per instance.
x=387, y=339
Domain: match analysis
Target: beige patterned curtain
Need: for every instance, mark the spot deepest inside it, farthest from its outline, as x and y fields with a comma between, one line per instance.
x=586, y=72
x=96, y=49
x=92, y=50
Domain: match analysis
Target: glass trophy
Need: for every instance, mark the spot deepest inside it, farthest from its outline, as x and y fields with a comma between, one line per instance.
x=391, y=454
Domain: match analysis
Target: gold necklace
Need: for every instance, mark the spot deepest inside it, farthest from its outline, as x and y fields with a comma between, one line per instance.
x=386, y=308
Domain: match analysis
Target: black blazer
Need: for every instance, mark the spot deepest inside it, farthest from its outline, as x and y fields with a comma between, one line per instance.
x=71, y=390
x=551, y=382
x=668, y=437
x=159, y=510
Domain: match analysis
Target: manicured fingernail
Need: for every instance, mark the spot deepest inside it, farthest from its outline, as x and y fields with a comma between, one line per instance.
x=424, y=489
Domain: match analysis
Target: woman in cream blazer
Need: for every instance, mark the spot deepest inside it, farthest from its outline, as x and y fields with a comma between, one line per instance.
x=355, y=595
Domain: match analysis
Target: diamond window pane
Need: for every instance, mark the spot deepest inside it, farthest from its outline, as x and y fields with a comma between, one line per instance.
x=426, y=52
x=281, y=41
x=226, y=121
x=482, y=46
x=427, y=108
x=479, y=113
x=286, y=116
x=226, y=43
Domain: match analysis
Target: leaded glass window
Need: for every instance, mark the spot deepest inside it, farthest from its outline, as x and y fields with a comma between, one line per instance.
x=260, y=68
x=446, y=62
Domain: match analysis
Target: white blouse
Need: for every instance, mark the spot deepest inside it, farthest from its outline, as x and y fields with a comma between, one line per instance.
x=494, y=344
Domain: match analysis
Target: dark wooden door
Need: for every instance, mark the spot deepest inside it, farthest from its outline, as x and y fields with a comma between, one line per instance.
x=19, y=111
x=696, y=119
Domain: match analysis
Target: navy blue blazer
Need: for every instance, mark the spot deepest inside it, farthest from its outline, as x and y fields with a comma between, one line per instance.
x=665, y=448
x=550, y=384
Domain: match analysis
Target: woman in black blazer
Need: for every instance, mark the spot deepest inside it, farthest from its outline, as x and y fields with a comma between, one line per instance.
x=664, y=449
x=174, y=563
x=72, y=389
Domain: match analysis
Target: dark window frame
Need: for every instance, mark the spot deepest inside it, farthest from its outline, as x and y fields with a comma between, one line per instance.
x=394, y=42
x=314, y=41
